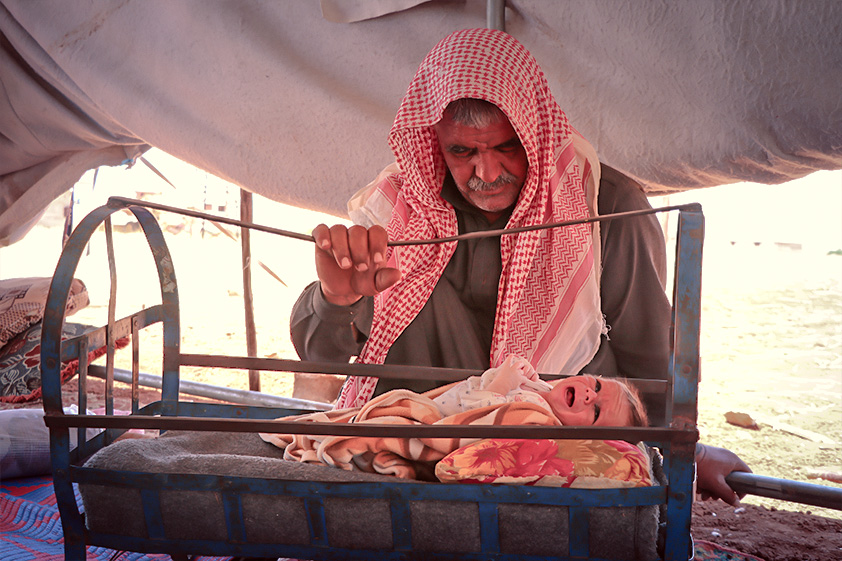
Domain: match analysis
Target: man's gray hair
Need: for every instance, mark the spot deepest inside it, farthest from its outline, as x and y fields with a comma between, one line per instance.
x=471, y=112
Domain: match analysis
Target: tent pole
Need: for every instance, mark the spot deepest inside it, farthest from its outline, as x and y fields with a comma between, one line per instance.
x=248, y=298
x=495, y=13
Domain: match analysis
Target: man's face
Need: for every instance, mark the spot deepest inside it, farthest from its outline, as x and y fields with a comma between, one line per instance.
x=488, y=164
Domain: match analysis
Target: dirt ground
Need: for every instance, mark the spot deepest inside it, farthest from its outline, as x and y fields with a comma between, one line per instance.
x=771, y=348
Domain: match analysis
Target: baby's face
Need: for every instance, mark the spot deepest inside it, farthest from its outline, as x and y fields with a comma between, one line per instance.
x=586, y=400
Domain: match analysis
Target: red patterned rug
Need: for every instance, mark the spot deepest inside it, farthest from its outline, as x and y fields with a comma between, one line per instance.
x=30, y=526
x=709, y=551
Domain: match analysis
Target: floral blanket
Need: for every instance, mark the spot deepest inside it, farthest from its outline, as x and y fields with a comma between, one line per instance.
x=578, y=463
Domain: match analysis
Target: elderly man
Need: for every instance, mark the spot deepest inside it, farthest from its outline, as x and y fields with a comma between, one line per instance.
x=480, y=143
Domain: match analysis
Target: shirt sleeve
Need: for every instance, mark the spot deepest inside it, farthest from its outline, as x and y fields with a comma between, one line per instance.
x=322, y=331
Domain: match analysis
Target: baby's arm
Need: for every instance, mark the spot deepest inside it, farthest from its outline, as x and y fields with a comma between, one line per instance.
x=508, y=376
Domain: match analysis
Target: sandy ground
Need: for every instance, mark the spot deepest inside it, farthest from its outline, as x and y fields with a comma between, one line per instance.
x=771, y=348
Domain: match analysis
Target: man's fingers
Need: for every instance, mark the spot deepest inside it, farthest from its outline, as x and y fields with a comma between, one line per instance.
x=339, y=245
x=359, y=247
x=321, y=235
x=378, y=239
x=351, y=262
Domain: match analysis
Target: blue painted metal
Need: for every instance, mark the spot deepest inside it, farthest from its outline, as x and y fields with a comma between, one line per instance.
x=401, y=523
x=169, y=305
x=316, y=523
x=109, y=333
x=677, y=440
x=152, y=513
x=578, y=531
x=684, y=376
x=51, y=352
x=234, y=522
x=489, y=533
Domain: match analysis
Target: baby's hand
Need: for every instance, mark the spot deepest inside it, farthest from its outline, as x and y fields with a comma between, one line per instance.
x=511, y=374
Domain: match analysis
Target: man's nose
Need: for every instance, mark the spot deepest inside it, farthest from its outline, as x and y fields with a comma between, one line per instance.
x=590, y=395
x=487, y=167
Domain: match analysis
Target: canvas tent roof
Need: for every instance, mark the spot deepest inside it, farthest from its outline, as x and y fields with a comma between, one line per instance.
x=294, y=99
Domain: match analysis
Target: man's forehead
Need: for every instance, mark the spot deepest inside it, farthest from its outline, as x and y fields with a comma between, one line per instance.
x=454, y=132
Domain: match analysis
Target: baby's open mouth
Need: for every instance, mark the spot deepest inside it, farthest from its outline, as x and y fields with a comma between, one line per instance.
x=569, y=396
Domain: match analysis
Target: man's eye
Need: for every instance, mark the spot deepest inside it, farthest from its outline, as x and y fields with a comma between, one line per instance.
x=595, y=413
x=459, y=151
x=597, y=386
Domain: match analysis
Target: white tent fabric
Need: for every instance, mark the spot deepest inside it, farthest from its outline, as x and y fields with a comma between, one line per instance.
x=294, y=99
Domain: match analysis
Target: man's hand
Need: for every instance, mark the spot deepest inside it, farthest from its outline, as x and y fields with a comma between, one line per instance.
x=712, y=466
x=351, y=262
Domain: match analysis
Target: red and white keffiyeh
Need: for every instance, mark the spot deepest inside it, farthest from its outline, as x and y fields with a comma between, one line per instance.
x=548, y=309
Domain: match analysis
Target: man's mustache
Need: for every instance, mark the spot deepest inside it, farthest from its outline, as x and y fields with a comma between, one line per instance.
x=477, y=184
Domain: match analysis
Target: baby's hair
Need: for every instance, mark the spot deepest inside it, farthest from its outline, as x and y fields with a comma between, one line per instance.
x=639, y=417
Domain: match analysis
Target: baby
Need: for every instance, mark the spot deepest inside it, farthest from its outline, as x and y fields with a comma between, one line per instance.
x=575, y=401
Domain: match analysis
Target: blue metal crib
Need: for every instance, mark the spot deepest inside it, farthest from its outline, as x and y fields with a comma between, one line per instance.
x=676, y=439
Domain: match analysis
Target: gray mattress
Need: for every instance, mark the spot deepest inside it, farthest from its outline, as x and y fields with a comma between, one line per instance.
x=615, y=532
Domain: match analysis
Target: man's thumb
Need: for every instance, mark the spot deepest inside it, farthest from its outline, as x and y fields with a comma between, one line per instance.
x=386, y=277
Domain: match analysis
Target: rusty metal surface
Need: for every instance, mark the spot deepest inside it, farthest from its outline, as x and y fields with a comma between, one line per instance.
x=682, y=405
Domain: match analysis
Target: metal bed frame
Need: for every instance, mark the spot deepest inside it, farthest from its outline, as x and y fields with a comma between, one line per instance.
x=676, y=438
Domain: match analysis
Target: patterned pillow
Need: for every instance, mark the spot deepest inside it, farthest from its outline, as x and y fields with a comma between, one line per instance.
x=20, y=362
x=22, y=302
x=596, y=464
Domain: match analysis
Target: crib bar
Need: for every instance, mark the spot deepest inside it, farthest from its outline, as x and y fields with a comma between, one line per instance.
x=380, y=490
x=579, y=530
x=152, y=513
x=109, y=332
x=359, y=369
x=82, y=403
x=489, y=528
x=687, y=314
x=684, y=376
x=232, y=507
x=135, y=364
x=652, y=434
x=73, y=524
x=169, y=305
x=401, y=523
x=316, y=523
